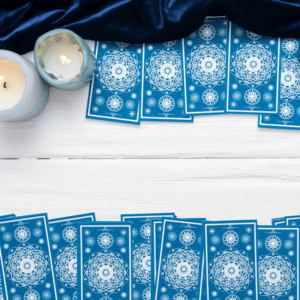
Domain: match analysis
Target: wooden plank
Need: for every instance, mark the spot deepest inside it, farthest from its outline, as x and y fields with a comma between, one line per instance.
x=216, y=189
x=61, y=130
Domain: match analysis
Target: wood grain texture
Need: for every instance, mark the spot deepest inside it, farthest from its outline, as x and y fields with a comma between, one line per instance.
x=213, y=188
x=61, y=131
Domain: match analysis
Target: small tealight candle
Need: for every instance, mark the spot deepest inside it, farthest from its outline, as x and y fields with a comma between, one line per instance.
x=64, y=59
x=23, y=94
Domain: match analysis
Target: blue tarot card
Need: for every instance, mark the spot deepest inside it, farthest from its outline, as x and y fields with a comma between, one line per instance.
x=115, y=91
x=180, y=260
x=292, y=220
x=27, y=270
x=278, y=221
x=104, y=261
x=205, y=55
x=8, y=216
x=253, y=72
x=231, y=260
x=289, y=109
x=63, y=235
x=163, y=84
x=141, y=252
x=278, y=262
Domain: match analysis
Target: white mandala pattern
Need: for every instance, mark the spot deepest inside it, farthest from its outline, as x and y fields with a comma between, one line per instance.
x=105, y=240
x=114, y=103
x=105, y=273
x=290, y=46
x=252, y=96
x=231, y=271
x=141, y=263
x=146, y=231
x=27, y=266
x=22, y=234
x=146, y=294
x=207, y=64
x=187, y=237
x=273, y=243
x=181, y=269
x=70, y=234
x=180, y=296
x=32, y=295
x=290, y=78
x=286, y=111
x=119, y=71
x=253, y=65
x=230, y=238
x=276, y=276
x=66, y=267
x=210, y=97
x=164, y=71
x=207, y=32
x=166, y=103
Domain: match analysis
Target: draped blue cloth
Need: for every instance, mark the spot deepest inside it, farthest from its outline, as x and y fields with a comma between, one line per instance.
x=138, y=21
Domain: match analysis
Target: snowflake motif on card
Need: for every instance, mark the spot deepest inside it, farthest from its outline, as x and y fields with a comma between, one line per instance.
x=66, y=267
x=146, y=294
x=252, y=96
x=207, y=64
x=290, y=46
x=105, y=273
x=70, y=234
x=22, y=234
x=166, y=103
x=207, y=32
x=230, y=238
x=32, y=295
x=181, y=269
x=253, y=64
x=286, y=111
x=27, y=266
x=141, y=263
x=210, y=97
x=105, y=240
x=187, y=237
x=114, y=103
x=273, y=243
x=146, y=231
x=119, y=71
x=164, y=71
x=276, y=276
x=290, y=78
x=231, y=271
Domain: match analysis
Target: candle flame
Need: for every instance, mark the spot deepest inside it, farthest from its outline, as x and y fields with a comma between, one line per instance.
x=1, y=78
x=65, y=60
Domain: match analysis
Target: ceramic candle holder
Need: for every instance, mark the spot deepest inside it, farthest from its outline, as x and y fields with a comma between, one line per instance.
x=64, y=60
x=23, y=93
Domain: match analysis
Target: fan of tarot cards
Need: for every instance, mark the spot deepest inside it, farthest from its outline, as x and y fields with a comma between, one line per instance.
x=220, y=68
x=148, y=257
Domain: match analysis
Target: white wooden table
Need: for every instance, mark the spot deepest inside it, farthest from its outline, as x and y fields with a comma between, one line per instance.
x=219, y=167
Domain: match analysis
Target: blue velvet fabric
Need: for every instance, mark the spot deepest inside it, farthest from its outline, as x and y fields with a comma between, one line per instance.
x=137, y=21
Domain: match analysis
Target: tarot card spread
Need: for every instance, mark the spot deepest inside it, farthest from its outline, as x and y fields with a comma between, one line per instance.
x=180, y=259
x=163, y=85
x=278, y=262
x=115, y=91
x=104, y=261
x=289, y=110
x=64, y=249
x=26, y=260
x=141, y=252
x=253, y=72
x=205, y=55
x=231, y=260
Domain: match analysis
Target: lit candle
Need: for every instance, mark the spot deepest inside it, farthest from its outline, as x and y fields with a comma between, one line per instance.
x=23, y=94
x=64, y=59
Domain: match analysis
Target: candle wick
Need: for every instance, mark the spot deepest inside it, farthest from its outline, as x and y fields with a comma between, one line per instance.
x=4, y=85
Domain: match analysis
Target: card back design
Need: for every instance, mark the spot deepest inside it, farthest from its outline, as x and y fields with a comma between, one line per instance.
x=205, y=54
x=231, y=260
x=105, y=261
x=253, y=72
x=63, y=234
x=115, y=91
x=26, y=261
x=278, y=262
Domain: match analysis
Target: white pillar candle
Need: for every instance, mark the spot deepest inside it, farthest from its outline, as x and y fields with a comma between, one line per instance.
x=23, y=93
